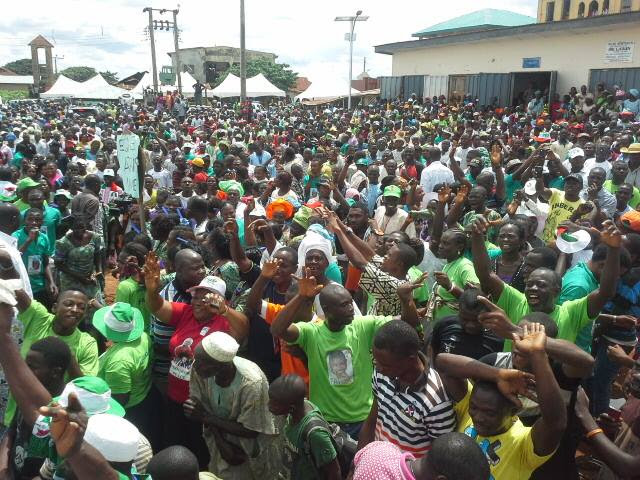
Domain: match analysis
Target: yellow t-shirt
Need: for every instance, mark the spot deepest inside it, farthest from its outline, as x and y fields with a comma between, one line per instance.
x=559, y=211
x=510, y=454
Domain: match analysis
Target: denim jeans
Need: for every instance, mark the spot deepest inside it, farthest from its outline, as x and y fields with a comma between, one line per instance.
x=604, y=373
x=353, y=429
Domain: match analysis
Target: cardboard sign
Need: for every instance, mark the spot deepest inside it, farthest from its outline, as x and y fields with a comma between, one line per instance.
x=128, y=159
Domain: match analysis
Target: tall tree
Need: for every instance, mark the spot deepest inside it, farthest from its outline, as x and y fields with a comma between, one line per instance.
x=21, y=67
x=110, y=77
x=79, y=74
x=277, y=73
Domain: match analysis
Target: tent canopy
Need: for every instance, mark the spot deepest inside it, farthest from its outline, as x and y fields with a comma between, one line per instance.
x=63, y=87
x=146, y=81
x=230, y=87
x=259, y=86
x=318, y=91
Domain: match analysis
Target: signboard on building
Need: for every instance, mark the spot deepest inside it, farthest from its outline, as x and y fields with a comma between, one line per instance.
x=531, y=62
x=619, y=52
x=128, y=159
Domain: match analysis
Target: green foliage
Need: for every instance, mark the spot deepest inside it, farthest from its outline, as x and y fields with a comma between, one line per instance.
x=20, y=67
x=277, y=73
x=110, y=77
x=13, y=94
x=79, y=74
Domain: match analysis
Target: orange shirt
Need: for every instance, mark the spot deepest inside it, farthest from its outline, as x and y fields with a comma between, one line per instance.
x=290, y=364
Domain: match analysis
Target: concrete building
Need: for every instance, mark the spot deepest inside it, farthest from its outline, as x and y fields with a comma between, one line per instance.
x=42, y=72
x=496, y=59
x=554, y=10
x=207, y=63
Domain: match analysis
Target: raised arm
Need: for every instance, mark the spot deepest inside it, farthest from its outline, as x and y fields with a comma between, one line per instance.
x=458, y=205
x=160, y=307
x=409, y=313
x=490, y=283
x=27, y=390
x=610, y=273
x=541, y=190
x=458, y=174
x=357, y=256
x=254, y=299
x=237, y=252
x=622, y=463
x=299, y=306
x=437, y=227
x=548, y=429
x=496, y=165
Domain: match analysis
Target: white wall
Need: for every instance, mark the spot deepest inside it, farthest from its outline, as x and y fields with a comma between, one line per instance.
x=572, y=53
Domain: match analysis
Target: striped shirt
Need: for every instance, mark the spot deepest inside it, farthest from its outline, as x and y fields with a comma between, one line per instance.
x=162, y=333
x=412, y=417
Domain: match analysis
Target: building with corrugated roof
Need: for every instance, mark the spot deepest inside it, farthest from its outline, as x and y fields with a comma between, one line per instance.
x=497, y=56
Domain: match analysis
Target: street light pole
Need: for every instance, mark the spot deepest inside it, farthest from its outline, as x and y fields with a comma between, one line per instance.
x=177, y=47
x=358, y=18
x=243, y=57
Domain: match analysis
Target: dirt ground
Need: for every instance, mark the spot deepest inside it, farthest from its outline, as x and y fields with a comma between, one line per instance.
x=111, y=284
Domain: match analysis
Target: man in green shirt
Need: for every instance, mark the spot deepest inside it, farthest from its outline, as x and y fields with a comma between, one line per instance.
x=619, y=172
x=126, y=365
x=23, y=188
x=51, y=217
x=543, y=286
x=338, y=349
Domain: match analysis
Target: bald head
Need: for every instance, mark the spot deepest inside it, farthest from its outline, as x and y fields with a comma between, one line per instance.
x=9, y=218
x=185, y=256
x=288, y=389
x=174, y=463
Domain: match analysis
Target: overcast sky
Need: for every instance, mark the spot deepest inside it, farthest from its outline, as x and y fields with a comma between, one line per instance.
x=109, y=34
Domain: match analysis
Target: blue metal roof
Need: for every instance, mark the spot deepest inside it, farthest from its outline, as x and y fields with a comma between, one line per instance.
x=480, y=19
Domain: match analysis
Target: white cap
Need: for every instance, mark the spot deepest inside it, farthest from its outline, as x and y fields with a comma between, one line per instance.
x=220, y=346
x=211, y=283
x=530, y=186
x=575, y=152
x=109, y=172
x=114, y=437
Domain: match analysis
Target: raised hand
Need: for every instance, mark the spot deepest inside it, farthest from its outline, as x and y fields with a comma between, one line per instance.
x=495, y=319
x=444, y=194
x=152, y=272
x=68, y=425
x=616, y=354
x=532, y=340
x=405, y=290
x=462, y=194
x=443, y=280
x=496, y=155
x=610, y=235
x=333, y=224
x=307, y=285
x=231, y=227
x=480, y=225
x=270, y=268
x=512, y=383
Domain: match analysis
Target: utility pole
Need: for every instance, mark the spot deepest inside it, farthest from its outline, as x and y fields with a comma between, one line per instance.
x=153, y=49
x=55, y=62
x=352, y=20
x=177, y=47
x=243, y=57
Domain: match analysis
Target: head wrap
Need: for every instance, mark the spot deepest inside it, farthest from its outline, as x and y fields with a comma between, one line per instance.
x=302, y=216
x=227, y=185
x=316, y=238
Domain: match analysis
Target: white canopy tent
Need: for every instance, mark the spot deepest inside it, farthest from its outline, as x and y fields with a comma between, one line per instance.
x=259, y=86
x=63, y=87
x=98, y=87
x=320, y=91
x=230, y=87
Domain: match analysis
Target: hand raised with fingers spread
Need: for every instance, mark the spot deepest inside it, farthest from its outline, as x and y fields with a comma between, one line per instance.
x=270, y=268
x=496, y=155
x=532, y=340
x=444, y=194
x=480, y=225
x=405, y=290
x=307, y=285
x=152, y=272
x=443, y=280
x=333, y=224
x=462, y=194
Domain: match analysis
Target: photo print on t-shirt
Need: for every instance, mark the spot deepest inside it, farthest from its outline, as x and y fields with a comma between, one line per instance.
x=340, y=367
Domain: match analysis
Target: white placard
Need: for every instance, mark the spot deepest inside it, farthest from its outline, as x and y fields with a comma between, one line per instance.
x=128, y=159
x=619, y=52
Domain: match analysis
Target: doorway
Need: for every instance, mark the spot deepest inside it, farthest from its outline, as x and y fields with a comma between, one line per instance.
x=524, y=84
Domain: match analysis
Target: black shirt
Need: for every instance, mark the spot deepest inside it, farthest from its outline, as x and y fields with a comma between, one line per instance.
x=449, y=337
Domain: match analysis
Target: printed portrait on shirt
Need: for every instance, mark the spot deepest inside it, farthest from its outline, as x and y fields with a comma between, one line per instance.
x=340, y=367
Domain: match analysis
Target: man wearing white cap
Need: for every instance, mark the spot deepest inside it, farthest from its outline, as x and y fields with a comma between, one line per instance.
x=230, y=396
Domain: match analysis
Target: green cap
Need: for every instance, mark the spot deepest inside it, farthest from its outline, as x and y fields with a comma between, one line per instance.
x=25, y=183
x=362, y=161
x=392, y=191
x=94, y=395
x=226, y=185
x=302, y=216
x=119, y=322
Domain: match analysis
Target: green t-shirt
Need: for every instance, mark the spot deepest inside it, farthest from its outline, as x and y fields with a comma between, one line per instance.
x=571, y=317
x=38, y=324
x=320, y=446
x=460, y=272
x=34, y=258
x=612, y=188
x=340, y=367
x=510, y=187
x=131, y=292
x=579, y=282
x=126, y=367
x=420, y=294
x=51, y=218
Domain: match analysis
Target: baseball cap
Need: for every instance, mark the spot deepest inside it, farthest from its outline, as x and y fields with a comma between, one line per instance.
x=575, y=176
x=108, y=172
x=631, y=220
x=572, y=242
x=63, y=193
x=211, y=283
x=25, y=183
x=575, y=152
x=119, y=322
x=392, y=191
x=94, y=394
x=198, y=162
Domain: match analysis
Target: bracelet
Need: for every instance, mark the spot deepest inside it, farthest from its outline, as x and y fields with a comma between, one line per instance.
x=450, y=290
x=594, y=432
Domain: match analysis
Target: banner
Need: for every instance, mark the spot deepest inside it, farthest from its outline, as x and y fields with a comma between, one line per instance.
x=128, y=159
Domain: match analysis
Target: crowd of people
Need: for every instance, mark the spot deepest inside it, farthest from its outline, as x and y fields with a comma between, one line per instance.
x=411, y=289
